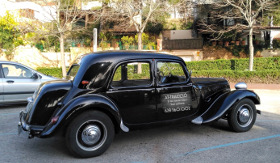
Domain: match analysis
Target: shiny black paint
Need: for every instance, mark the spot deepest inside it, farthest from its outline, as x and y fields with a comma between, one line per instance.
x=186, y=86
x=77, y=105
x=208, y=90
x=226, y=101
x=210, y=98
x=137, y=105
x=175, y=89
x=49, y=94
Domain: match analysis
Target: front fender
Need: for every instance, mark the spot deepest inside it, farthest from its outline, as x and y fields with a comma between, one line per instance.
x=223, y=104
x=80, y=104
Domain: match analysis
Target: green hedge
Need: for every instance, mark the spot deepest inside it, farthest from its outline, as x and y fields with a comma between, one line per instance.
x=52, y=71
x=260, y=64
x=264, y=76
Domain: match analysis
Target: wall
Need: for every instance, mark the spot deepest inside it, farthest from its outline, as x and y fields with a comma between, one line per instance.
x=180, y=34
x=32, y=57
x=78, y=51
x=188, y=55
x=177, y=34
x=270, y=53
x=274, y=33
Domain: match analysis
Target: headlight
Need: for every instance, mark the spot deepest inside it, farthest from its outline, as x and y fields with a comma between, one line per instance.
x=241, y=86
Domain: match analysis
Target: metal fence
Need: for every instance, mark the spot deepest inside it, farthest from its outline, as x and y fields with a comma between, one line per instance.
x=182, y=44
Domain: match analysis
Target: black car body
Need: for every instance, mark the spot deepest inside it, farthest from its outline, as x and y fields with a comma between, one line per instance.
x=111, y=91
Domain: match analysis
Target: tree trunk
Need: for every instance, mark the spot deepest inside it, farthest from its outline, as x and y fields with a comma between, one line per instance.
x=139, y=68
x=251, y=49
x=61, y=41
x=139, y=40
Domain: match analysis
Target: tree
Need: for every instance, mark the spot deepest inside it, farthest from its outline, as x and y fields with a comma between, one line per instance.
x=62, y=18
x=139, y=12
x=245, y=14
x=9, y=34
x=272, y=17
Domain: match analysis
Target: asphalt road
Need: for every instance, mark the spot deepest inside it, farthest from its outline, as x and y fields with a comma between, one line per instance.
x=181, y=143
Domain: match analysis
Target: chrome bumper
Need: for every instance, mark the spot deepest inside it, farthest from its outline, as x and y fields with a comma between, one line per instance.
x=22, y=126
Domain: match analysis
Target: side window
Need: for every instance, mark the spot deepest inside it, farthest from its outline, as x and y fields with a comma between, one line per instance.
x=170, y=72
x=15, y=71
x=132, y=74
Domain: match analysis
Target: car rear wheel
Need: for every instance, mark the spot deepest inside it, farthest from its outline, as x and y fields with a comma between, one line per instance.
x=90, y=134
x=242, y=116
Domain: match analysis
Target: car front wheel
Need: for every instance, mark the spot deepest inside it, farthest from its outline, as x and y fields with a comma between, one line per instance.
x=242, y=116
x=90, y=134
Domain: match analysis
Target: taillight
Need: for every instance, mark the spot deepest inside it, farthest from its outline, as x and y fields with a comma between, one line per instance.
x=54, y=120
x=85, y=82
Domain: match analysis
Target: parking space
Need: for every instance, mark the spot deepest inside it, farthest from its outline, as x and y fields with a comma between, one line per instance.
x=180, y=143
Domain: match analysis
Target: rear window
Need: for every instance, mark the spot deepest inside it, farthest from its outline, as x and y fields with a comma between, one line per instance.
x=73, y=71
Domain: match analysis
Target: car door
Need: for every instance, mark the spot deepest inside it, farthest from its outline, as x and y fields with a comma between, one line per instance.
x=18, y=82
x=175, y=97
x=132, y=90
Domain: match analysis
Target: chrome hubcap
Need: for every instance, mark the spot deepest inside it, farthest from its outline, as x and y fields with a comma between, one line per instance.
x=245, y=115
x=91, y=134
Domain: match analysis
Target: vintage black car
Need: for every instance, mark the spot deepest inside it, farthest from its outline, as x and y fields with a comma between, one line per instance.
x=108, y=92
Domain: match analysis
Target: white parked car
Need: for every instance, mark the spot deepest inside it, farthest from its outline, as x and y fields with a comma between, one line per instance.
x=18, y=82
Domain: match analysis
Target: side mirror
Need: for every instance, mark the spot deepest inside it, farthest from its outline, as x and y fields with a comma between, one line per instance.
x=35, y=76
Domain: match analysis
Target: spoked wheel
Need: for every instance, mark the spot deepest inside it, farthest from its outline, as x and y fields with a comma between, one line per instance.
x=242, y=116
x=90, y=134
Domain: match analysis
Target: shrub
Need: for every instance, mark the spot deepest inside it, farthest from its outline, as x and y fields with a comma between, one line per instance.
x=52, y=71
x=127, y=40
x=265, y=76
x=270, y=63
x=104, y=45
x=276, y=44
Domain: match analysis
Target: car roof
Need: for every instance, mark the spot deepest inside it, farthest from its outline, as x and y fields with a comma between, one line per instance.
x=95, y=65
x=11, y=62
x=117, y=56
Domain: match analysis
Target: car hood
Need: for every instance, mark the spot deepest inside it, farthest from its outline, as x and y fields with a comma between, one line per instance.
x=211, y=86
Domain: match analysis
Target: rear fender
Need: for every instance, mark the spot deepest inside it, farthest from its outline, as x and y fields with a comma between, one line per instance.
x=223, y=104
x=80, y=104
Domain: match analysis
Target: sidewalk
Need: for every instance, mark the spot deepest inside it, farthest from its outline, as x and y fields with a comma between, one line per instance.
x=259, y=86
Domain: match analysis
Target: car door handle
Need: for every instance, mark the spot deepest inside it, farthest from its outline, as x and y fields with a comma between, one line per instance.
x=10, y=81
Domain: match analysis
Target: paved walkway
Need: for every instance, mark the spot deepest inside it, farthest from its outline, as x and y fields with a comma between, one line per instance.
x=259, y=86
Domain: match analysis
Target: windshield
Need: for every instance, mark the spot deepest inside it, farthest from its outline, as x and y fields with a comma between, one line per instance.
x=72, y=71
